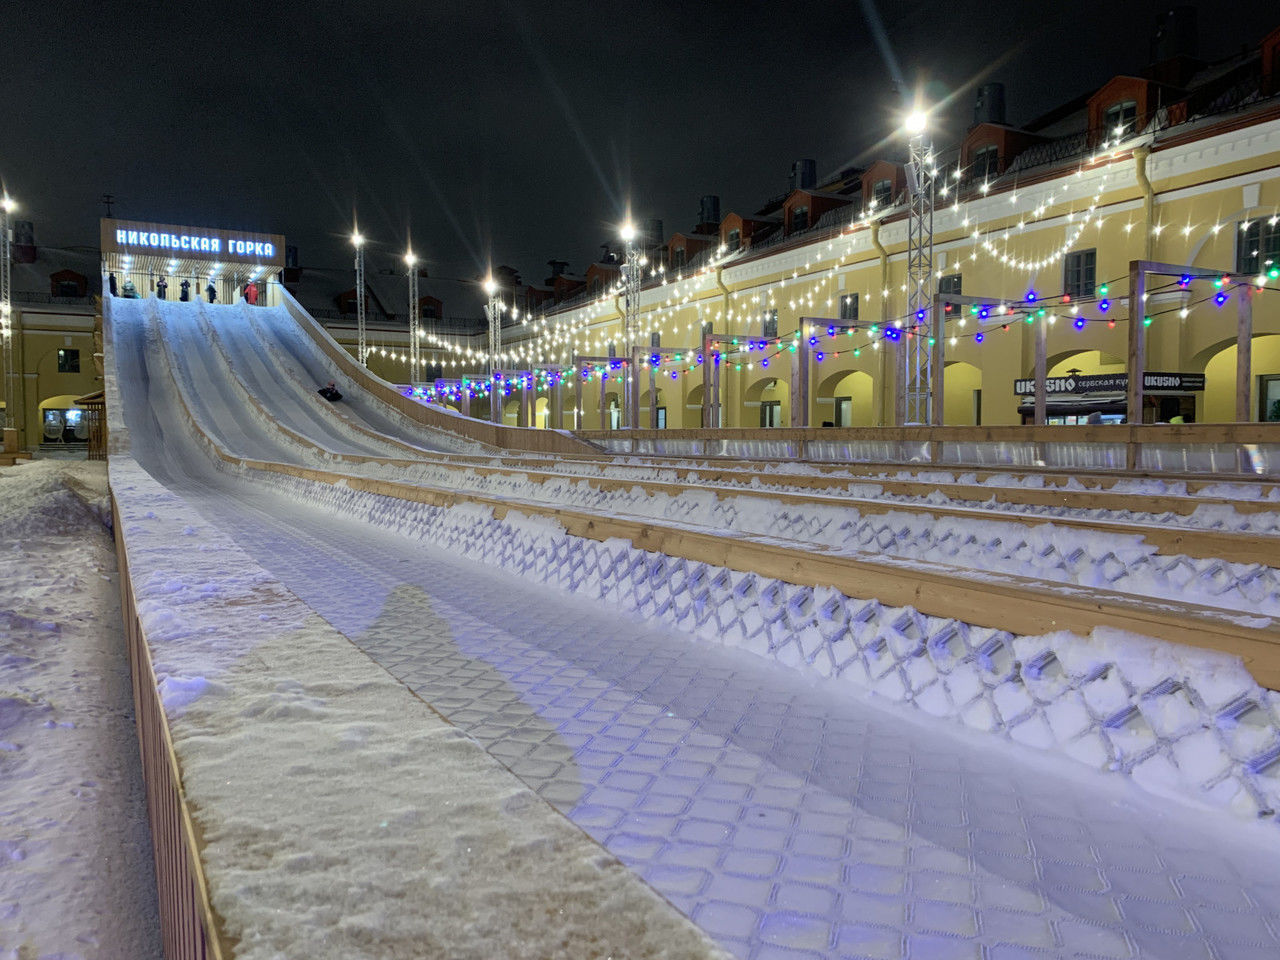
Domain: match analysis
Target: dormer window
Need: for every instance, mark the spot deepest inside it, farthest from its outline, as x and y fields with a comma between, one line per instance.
x=733, y=240
x=799, y=218
x=986, y=162
x=1120, y=117
x=882, y=192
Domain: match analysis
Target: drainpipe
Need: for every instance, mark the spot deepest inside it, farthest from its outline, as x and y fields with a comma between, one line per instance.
x=1140, y=155
x=882, y=359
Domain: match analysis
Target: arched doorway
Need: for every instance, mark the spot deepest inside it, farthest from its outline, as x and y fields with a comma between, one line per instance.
x=693, y=407
x=1218, y=402
x=843, y=399
x=962, y=395
x=767, y=403
x=540, y=413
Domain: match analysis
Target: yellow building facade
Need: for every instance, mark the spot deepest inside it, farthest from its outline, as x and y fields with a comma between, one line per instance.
x=1199, y=200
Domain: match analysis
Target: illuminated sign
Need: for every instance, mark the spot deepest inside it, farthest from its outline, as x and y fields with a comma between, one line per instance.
x=125, y=237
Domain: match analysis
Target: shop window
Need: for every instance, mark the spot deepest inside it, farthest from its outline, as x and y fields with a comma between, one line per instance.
x=986, y=162
x=799, y=219
x=733, y=240
x=1080, y=274
x=655, y=340
x=1120, y=117
x=882, y=193
x=849, y=306
x=68, y=361
x=1257, y=246
x=662, y=418
x=770, y=325
x=1269, y=398
x=771, y=413
x=844, y=412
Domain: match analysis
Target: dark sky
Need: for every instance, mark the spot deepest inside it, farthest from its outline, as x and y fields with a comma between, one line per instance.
x=504, y=130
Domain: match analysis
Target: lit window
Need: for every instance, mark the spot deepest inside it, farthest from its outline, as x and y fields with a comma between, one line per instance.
x=1120, y=117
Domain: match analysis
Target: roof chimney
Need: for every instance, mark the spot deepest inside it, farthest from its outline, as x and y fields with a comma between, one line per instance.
x=710, y=210
x=988, y=107
x=804, y=175
x=1175, y=34
x=24, y=241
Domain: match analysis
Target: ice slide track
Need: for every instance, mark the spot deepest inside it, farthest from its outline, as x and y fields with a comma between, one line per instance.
x=1169, y=538
x=1065, y=566
x=784, y=820
x=1021, y=605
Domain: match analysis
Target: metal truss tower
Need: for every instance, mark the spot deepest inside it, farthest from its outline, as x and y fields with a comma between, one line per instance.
x=920, y=281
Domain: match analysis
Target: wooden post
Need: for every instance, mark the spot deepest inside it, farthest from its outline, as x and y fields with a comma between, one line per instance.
x=1042, y=371
x=605, y=422
x=464, y=399
x=1244, y=354
x=707, y=385
x=653, y=396
x=1137, y=356
x=555, y=399
x=800, y=380
x=633, y=381
x=577, y=397
x=495, y=399
x=937, y=378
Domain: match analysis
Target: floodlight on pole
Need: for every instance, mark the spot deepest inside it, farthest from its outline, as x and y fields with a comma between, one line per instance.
x=7, y=206
x=631, y=273
x=493, y=313
x=415, y=309
x=362, y=350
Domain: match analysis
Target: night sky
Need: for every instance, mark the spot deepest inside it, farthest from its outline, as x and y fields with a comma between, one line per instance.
x=505, y=131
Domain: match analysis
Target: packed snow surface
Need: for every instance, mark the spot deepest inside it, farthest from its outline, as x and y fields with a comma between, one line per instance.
x=341, y=815
x=76, y=874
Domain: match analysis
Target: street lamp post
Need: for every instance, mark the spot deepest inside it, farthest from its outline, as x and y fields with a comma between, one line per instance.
x=920, y=280
x=415, y=308
x=361, y=344
x=631, y=323
x=493, y=313
x=7, y=206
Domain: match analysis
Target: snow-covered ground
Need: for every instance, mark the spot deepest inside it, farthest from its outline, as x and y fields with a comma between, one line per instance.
x=76, y=875
x=789, y=817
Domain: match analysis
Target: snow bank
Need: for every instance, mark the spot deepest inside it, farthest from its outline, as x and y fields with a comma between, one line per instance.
x=76, y=875
x=341, y=816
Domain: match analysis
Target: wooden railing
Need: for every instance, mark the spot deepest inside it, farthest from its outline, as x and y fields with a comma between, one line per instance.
x=189, y=928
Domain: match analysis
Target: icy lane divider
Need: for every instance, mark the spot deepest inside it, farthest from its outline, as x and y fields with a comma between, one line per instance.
x=300, y=767
x=433, y=415
x=287, y=365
